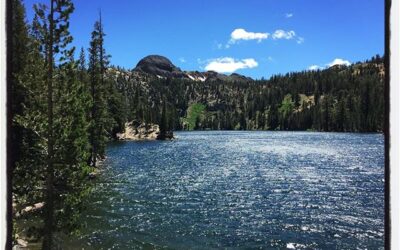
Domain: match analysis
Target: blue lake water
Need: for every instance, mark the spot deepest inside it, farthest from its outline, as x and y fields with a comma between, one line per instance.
x=236, y=190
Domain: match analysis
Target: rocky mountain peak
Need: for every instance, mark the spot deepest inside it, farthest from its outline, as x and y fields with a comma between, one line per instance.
x=158, y=65
x=161, y=66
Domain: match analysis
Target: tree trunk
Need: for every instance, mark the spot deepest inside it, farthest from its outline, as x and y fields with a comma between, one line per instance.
x=49, y=204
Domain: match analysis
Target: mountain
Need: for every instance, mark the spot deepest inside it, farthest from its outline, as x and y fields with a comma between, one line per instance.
x=346, y=98
x=162, y=67
x=158, y=66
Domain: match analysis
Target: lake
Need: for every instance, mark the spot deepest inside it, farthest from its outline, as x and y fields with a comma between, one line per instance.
x=230, y=189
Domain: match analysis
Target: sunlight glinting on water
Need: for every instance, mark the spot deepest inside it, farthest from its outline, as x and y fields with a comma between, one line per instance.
x=240, y=189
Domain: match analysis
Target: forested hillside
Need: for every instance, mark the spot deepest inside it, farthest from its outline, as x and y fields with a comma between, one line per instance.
x=66, y=106
x=340, y=98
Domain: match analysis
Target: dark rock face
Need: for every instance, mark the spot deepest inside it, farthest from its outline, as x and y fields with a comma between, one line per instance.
x=169, y=135
x=159, y=65
x=239, y=78
x=215, y=76
x=234, y=77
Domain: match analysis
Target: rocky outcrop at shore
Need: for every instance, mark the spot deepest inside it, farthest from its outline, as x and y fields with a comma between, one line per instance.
x=29, y=209
x=137, y=131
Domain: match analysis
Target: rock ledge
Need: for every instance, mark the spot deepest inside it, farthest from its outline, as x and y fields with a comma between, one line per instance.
x=136, y=131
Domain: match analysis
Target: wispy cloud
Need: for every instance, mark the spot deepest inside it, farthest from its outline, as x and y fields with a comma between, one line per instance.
x=182, y=59
x=229, y=64
x=242, y=34
x=314, y=67
x=289, y=15
x=300, y=40
x=336, y=61
x=201, y=61
x=281, y=34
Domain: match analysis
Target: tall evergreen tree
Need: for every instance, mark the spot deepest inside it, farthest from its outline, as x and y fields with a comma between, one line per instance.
x=163, y=122
x=72, y=144
x=18, y=64
x=99, y=113
x=28, y=111
x=52, y=24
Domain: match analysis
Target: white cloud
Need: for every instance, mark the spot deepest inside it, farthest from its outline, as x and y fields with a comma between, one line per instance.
x=314, y=67
x=281, y=34
x=229, y=64
x=300, y=40
x=182, y=60
x=242, y=34
x=289, y=15
x=338, y=61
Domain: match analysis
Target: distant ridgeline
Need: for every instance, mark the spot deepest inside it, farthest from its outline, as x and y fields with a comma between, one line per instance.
x=339, y=98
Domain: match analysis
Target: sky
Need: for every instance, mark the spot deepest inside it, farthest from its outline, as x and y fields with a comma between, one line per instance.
x=256, y=38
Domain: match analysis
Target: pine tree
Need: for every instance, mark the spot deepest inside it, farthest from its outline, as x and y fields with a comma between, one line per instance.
x=18, y=64
x=27, y=110
x=82, y=66
x=163, y=122
x=340, y=116
x=52, y=24
x=286, y=110
x=99, y=113
x=73, y=144
x=19, y=55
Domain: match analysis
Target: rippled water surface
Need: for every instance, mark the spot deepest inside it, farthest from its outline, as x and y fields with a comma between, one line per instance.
x=211, y=190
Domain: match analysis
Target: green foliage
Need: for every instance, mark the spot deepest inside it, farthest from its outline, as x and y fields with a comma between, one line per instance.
x=286, y=109
x=50, y=122
x=28, y=108
x=287, y=106
x=195, y=115
x=164, y=122
x=354, y=100
x=99, y=115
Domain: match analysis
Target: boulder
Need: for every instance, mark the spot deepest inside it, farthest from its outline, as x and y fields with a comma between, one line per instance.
x=169, y=135
x=92, y=175
x=22, y=243
x=139, y=131
x=159, y=66
x=29, y=209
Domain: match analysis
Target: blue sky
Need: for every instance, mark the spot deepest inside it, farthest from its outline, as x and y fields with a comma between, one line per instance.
x=257, y=38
